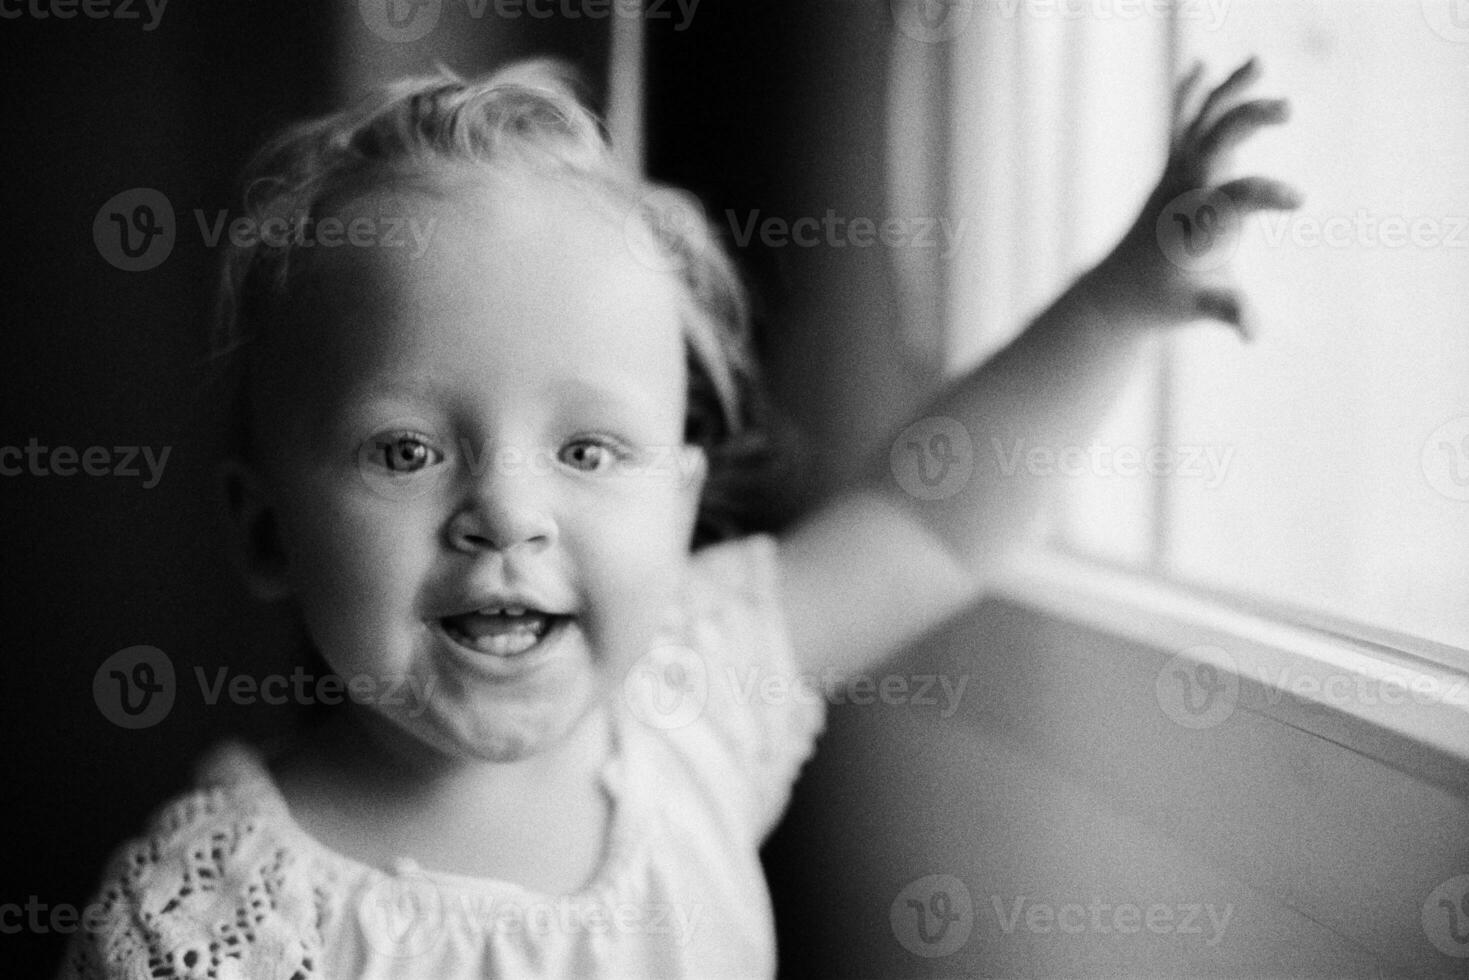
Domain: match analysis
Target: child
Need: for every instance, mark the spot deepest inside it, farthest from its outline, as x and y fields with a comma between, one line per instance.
x=475, y=465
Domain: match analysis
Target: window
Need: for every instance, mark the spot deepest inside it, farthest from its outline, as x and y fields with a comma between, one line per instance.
x=1324, y=469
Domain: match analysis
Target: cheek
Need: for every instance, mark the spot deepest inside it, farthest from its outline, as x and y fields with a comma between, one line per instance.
x=634, y=561
x=354, y=566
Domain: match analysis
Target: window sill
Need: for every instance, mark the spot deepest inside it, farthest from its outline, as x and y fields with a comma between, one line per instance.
x=1390, y=702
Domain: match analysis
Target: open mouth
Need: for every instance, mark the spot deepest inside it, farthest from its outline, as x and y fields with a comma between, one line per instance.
x=503, y=632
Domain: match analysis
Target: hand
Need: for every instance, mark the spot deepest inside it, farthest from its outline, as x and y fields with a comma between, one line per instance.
x=1171, y=266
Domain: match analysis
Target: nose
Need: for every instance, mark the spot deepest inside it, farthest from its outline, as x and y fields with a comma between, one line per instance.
x=503, y=511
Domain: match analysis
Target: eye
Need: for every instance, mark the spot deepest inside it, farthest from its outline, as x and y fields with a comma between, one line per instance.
x=589, y=455
x=401, y=452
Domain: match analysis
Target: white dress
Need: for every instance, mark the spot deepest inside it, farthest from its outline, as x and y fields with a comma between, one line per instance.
x=709, y=734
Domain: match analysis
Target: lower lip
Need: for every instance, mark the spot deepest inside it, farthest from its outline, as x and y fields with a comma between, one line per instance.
x=515, y=665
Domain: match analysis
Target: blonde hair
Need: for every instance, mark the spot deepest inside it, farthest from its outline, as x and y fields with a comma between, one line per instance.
x=525, y=116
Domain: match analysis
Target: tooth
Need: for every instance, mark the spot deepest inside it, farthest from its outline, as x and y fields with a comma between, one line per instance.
x=515, y=610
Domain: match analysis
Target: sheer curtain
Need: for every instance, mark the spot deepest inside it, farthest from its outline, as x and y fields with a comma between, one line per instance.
x=1056, y=134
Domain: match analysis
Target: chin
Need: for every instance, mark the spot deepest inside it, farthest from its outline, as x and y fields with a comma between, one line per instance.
x=500, y=734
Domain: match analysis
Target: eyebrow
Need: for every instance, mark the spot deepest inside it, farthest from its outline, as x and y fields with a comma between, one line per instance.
x=585, y=392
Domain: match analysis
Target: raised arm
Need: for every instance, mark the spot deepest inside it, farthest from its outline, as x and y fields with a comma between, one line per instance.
x=926, y=530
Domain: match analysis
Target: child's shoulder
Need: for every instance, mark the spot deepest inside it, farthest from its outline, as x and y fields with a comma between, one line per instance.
x=723, y=687
x=739, y=571
x=214, y=887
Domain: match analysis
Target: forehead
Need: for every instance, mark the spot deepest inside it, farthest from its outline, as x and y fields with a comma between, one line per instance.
x=508, y=279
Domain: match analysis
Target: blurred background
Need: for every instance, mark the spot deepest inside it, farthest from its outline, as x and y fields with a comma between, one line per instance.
x=1320, y=477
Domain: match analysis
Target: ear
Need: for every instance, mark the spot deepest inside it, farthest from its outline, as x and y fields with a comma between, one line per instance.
x=254, y=535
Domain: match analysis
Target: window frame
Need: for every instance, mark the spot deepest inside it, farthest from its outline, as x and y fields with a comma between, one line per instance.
x=1285, y=656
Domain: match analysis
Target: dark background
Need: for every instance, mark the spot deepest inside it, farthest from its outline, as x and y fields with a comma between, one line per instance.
x=773, y=106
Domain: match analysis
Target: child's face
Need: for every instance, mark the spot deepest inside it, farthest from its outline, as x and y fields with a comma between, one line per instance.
x=497, y=421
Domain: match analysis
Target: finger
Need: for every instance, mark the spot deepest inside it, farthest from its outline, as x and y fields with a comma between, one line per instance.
x=1227, y=306
x=1237, y=125
x=1261, y=194
x=1182, y=96
x=1225, y=90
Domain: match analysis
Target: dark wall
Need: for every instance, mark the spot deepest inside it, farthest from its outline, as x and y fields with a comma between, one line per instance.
x=97, y=356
